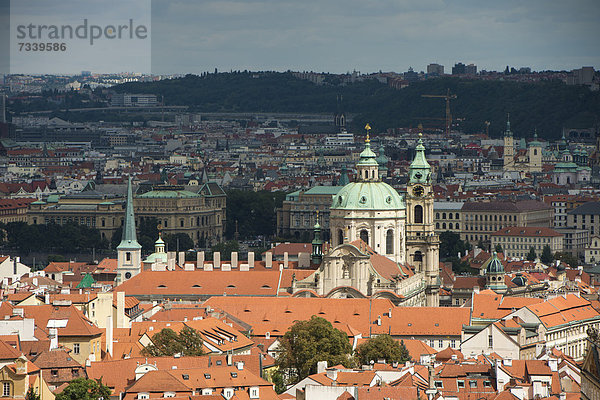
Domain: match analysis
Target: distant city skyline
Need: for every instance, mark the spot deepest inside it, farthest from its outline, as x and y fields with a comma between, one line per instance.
x=341, y=36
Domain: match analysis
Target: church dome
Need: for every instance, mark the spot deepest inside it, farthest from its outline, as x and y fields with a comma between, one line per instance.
x=367, y=196
x=494, y=265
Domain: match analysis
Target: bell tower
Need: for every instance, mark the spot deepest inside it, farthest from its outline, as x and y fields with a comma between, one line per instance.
x=422, y=243
x=509, y=147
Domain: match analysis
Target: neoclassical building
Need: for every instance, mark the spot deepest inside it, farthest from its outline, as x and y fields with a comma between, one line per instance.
x=384, y=244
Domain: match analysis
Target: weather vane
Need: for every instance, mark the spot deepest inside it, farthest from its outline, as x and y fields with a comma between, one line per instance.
x=368, y=129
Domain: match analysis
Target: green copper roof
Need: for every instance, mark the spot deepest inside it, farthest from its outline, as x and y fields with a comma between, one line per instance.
x=367, y=196
x=382, y=159
x=367, y=157
x=332, y=190
x=344, y=180
x=508, y=132
x=129, y=240
x=86, y=282
x=494, y=265
x=168, y=194
x=535, y=142
x=419, y=170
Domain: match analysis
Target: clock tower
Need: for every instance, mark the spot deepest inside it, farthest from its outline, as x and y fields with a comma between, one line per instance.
x=422, y=243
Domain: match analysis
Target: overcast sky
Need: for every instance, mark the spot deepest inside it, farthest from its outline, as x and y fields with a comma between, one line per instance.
x=193, y=36
x=372, y=35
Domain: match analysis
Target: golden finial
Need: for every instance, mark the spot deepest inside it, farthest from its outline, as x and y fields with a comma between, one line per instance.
x=368, y=129
x=317, y=216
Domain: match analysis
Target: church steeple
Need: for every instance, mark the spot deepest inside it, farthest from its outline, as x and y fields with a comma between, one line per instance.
x=419, y=170
x=367, y=167
x=129, y=251
x=129, y=239
x=317, y=244
x=508, y=132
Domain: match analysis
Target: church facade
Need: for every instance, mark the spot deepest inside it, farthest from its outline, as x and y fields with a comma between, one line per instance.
x=384, y=244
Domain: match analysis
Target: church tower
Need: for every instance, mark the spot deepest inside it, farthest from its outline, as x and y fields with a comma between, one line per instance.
x=494, y=274
x=509, y=147
x=535, y=154
x=422, y=243
x=129, y=251
x=316, y=256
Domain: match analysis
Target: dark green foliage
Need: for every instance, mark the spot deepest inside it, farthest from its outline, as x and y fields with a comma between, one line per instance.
x=308, y=342
x=167, y=342
x=531, y=256
x=546, y=257
x=499, y=249
x=226, y=248
x=67, y=238
x=451, y=245
x=84, y=389
x=278, y=381
x=185, y=242
x=568, y=258
x=147, y=233
x=546, y=105
x=32, y=394
x=382, y=347
x=253, y=211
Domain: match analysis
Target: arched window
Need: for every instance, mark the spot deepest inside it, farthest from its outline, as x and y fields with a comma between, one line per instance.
x=364, y=236
x=418, y=214
x=443, y=225
x=450, y=225
x=418, y=256
x=443, y=215
x=340, y=236
x=437, y=225
x=389, y=242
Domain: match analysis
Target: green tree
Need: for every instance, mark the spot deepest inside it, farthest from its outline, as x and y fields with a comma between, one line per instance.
x=84, y=389
x=451, y=245
x=382, y=347
x=147, y=233
x=546, y=257
x=308, y=342
x=226, y=248
x=531, y=256
x=167, y=342
x=568, y=258
x=179, y=241
x=499, y=249
x=32, y=394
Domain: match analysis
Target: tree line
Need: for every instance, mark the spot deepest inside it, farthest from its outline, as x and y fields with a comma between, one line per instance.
x=547, y=106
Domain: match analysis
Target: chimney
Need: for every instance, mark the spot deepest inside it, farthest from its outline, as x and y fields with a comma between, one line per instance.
x=379, y=320
x=188, y=267
x=53, y=335
x=332, y=374
x=121, y=310
x=285, y=260
x=170, y=264
x=390, y=312
x=321, y=367
x=47, y=298
x=269, y=260
x=251, y=259
x=234, y=259
x=240, y=365
x=35, y=281
x=229, y=358
x=181, y=259
x=170, y=255
x=200, y=260
x=109, y=335
x=217, y=260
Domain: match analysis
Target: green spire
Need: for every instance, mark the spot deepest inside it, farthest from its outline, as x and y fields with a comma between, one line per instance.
x=344, y=180
x=129, y=240
x=419, y=170
x=508, y=132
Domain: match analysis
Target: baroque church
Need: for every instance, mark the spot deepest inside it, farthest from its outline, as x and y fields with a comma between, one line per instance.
x=384, y=244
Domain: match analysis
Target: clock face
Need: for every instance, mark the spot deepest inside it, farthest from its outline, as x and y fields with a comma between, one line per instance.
x=418, y=191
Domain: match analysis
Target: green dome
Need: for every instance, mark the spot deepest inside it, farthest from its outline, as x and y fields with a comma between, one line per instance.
x=494, y=265
x=367, y=196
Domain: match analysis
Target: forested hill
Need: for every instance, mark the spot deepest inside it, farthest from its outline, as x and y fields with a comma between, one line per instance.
x=547, y=106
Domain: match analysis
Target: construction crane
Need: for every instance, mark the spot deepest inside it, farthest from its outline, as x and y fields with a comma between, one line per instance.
x=448, y=97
